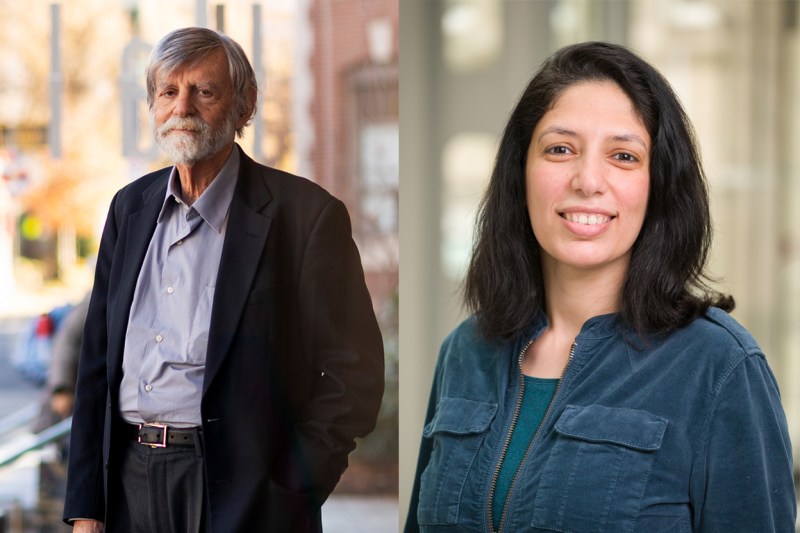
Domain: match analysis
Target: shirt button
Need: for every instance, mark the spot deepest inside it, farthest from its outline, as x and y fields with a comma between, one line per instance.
x=148, y=387
x=170, y=290
x=159, y=338
x=180, y=241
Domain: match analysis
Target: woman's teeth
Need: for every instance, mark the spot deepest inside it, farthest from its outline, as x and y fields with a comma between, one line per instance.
x=585, y=218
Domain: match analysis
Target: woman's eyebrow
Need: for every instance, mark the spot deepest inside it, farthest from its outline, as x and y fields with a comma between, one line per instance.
x=558, y=130
x=630, y=137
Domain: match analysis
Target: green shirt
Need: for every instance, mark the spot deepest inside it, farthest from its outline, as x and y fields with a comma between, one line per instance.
x=535, y=400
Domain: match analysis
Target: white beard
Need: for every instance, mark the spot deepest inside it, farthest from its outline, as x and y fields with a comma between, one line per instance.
x=199, y=143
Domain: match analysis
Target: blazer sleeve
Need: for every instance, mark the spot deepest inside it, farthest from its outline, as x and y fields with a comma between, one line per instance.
x=85, y=479
x=342, y=340
x=742, y=474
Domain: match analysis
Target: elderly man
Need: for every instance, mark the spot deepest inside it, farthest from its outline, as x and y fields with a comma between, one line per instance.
x=231, y=355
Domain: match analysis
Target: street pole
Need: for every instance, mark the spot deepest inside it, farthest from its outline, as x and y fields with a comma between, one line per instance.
x=56, y=82
x=258, y=124
x=200, y=13
x=220, y=16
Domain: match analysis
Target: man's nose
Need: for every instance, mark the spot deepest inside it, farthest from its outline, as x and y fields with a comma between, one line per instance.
x=183, y=104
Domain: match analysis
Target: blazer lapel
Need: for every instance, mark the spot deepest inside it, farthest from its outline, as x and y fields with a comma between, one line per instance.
x=141, y=225
x=246, y=235
x=138, y=230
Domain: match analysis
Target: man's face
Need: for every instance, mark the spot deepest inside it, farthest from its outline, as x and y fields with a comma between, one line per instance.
x=193, y=113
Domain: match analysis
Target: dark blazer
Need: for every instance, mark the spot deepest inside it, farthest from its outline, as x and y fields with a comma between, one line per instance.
x=294, y=368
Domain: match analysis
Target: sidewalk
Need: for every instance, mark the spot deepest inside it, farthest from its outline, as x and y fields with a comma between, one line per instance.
x=360, y=514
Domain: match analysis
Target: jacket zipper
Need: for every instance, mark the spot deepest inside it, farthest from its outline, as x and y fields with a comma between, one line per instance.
x=530, y=444
x=496, y=474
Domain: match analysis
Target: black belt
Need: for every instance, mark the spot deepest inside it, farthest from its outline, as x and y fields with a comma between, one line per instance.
x=161, y=435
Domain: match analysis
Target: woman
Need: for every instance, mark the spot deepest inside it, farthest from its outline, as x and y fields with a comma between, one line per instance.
x=600, y=384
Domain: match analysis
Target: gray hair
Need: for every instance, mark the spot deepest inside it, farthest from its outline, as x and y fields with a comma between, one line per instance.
x=189, y=45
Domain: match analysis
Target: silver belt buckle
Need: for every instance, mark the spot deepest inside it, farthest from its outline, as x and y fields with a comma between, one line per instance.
x=163, y=427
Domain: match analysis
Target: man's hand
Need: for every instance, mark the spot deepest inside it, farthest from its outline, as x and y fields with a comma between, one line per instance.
x=87, y=526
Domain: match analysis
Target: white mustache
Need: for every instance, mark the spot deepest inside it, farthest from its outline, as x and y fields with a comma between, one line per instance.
x=182, y=123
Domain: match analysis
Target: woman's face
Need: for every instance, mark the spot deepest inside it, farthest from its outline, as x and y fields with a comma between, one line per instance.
x=588, y=179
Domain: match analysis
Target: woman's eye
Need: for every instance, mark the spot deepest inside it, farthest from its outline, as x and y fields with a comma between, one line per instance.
x=626, y=157
x=559, y=150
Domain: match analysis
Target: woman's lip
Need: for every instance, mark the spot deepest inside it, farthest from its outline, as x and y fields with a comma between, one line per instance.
x=594, y=225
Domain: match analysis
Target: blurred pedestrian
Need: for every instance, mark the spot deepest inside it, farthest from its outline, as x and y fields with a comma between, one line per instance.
x=63, y=368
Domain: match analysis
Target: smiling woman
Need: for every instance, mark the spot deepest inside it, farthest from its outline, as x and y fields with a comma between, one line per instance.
x=601, y=384
x=587, y=180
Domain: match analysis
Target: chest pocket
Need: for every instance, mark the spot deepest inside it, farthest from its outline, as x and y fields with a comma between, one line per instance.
x=596, y=473
x=457, y=430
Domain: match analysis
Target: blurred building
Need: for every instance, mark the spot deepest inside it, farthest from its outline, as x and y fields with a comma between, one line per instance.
x=736, y=67
x=346, y=138
x=350, y=143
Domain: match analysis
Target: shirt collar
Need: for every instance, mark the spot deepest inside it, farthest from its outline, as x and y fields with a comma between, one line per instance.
x=213, y=204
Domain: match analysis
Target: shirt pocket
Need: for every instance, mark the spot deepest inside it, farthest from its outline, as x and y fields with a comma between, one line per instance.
x=596, y=473
x=457, y=429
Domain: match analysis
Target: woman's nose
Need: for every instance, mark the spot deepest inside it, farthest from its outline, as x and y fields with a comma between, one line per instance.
x=589, y=178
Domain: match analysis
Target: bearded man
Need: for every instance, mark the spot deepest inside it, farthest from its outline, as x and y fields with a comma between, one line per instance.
x=231, y=354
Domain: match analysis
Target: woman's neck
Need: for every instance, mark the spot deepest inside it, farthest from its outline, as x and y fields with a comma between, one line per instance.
x=573, y=296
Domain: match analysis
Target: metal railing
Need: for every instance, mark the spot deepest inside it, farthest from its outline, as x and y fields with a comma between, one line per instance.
x=23, y=444
x=19, y=418
x=17, y=441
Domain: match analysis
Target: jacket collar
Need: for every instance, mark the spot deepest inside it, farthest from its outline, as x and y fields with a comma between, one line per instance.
x=597, y=327
x=248, y=228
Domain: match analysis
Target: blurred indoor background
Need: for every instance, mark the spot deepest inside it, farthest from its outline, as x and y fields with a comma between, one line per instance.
x=74, y=129
x=735, y=64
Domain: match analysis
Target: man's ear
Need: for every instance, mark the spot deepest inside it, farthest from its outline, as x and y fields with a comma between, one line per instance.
x=246, y=113
x=252, y=98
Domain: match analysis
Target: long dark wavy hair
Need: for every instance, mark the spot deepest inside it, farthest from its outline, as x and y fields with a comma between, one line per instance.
x=666, y=285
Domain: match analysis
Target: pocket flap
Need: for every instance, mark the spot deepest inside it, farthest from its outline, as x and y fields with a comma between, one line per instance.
x=632, y=428
x=460, y=416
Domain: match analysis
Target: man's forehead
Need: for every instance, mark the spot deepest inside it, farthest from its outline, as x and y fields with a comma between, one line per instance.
x=210, y=67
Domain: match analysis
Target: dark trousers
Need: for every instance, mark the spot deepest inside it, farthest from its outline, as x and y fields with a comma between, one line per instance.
x=158, y=490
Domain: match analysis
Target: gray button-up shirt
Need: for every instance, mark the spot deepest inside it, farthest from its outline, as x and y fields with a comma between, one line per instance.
x=165, y=345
